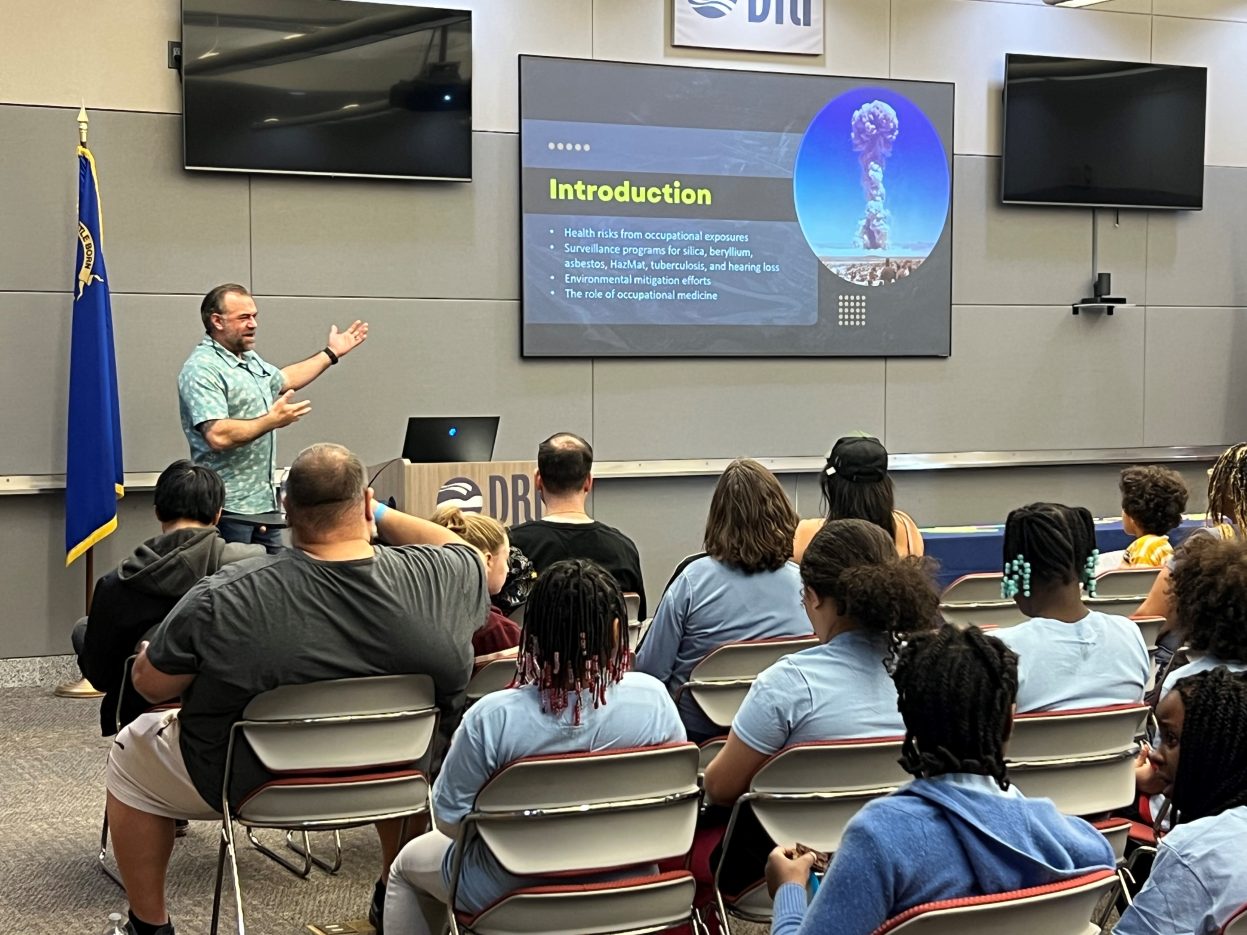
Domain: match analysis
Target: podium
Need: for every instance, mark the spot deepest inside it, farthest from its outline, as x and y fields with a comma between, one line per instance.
x=501, y=489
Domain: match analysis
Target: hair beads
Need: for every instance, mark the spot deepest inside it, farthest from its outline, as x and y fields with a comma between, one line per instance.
x=1017, y=578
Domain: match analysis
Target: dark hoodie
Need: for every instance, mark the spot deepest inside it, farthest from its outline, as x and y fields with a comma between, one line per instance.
x=133, y=599
x=943, y=838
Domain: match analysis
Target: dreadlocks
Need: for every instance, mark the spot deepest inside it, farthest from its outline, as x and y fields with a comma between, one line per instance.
x=955, y=691
x=1056, y=542
x=1212, y=768
x=570, y=641
x=1227, y=487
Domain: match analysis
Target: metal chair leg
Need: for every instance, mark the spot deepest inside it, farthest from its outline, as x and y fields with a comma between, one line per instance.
x=232, y=853
x=108, y=871
x=220, y=881
x=330, y=868
x=301, y=872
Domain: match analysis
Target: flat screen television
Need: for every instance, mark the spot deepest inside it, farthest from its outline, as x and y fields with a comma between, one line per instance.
x=1103, y=134
x=325, y=87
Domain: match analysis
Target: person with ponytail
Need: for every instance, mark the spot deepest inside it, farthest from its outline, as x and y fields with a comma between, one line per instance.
x=1199, y=877
x=862, y=600
x=573, y=695
x=958, y=828
x=498, y=634
x=1071, y=656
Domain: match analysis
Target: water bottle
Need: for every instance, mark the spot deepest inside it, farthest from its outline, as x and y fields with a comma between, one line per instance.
x=116, y=924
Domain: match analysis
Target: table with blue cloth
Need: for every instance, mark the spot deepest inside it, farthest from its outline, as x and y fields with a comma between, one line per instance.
x=965, y=550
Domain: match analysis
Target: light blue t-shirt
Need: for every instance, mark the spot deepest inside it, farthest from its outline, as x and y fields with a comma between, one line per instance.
x=1098, y=660
x=710, y=604
x=217, y=384
x=1199, y=879
x=506, y=725
x=838, y=691
x=1197, y=665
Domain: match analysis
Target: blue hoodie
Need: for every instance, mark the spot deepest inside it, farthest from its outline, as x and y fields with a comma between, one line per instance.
x=942, y=838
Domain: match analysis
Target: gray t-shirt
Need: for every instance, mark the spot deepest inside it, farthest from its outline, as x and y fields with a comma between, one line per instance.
x=286, y=619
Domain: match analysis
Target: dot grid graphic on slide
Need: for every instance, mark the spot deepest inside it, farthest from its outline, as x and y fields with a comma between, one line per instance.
x=851, y=311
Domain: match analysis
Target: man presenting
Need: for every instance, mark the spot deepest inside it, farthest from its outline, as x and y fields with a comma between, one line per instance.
x=231, y=399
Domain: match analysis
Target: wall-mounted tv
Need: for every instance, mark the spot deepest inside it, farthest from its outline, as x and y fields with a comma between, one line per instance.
x=670, y=211
x=325, y=87
x=1103, y=134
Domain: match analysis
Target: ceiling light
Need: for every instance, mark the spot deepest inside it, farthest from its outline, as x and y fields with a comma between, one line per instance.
x=1073, y=3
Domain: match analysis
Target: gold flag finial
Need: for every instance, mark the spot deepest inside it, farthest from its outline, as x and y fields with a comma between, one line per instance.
x=82, y=124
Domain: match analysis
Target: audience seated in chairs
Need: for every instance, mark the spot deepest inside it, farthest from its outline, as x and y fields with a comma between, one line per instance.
x=1209, y=587
x=1069, y=656
x=862, y=600
x=959, y=828
x=856, y=485
x=499, y=635
x=1152, y=501
x=564, y=478
x=133, y=599
x=333, y=606
x=745, y=588
x=1199, y=877
x=574, y=696
x=1227, y=515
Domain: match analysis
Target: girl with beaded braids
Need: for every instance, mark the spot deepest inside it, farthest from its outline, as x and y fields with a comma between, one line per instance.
x=1199, y=877
x=574, y=695
x=958, y=829
x=1070, y=656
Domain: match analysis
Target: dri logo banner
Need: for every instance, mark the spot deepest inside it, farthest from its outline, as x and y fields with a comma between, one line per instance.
x=792, y=26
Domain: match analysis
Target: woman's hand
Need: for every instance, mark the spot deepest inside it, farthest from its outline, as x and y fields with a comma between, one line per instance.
x=782, y=867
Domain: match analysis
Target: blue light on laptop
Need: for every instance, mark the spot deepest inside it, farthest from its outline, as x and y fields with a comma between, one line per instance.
x=453, y=432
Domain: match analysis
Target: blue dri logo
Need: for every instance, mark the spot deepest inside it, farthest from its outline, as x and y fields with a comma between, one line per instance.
x=713, y=9
x=462, y=492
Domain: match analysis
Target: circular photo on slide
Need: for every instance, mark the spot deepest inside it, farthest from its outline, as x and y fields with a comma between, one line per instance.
x=871, y=186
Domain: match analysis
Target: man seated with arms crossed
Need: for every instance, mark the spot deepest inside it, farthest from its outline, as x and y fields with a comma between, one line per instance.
x=333, y=606
x=132, y=600
x=566, y=530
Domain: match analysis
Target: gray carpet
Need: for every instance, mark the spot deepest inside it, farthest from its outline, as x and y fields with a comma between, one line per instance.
x=51, y=804
x=52, y=795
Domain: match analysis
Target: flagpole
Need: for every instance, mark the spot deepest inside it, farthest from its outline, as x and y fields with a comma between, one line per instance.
x=83, y=688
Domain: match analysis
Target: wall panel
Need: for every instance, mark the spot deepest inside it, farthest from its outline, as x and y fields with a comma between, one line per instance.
x=1042, y=378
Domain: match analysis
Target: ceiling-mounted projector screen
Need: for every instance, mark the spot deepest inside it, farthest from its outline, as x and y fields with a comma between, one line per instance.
x=671, y=211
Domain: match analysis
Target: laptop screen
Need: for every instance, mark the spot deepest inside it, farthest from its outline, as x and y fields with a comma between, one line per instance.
x=433, y=439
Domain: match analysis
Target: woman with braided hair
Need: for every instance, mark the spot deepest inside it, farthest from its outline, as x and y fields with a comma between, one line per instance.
x=1070, y=656
x=1199, y=877
x=573, y=695
x=959, y=828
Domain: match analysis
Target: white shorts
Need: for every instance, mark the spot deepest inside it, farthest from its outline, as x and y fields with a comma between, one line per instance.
x=146, y=771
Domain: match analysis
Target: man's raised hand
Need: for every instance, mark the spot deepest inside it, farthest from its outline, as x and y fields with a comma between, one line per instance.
x=285, y=412
x=343, y=342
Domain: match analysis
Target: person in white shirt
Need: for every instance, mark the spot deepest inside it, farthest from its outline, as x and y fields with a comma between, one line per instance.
x=1069, y=656
x=1199, y=877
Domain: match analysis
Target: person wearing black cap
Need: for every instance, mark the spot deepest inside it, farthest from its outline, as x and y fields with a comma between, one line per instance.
x=856, y=485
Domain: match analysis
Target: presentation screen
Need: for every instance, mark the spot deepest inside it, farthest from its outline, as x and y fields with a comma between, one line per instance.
x=682, y=212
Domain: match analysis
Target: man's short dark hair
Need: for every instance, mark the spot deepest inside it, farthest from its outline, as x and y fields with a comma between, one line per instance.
x=325, y=484
x=189, y=491
x=564, y=462
x=211, y=304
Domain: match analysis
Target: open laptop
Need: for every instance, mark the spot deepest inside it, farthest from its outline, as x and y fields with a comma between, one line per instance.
x=434, y=439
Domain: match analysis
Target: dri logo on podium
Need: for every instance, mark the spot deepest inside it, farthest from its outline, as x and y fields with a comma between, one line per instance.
x=511, y=497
